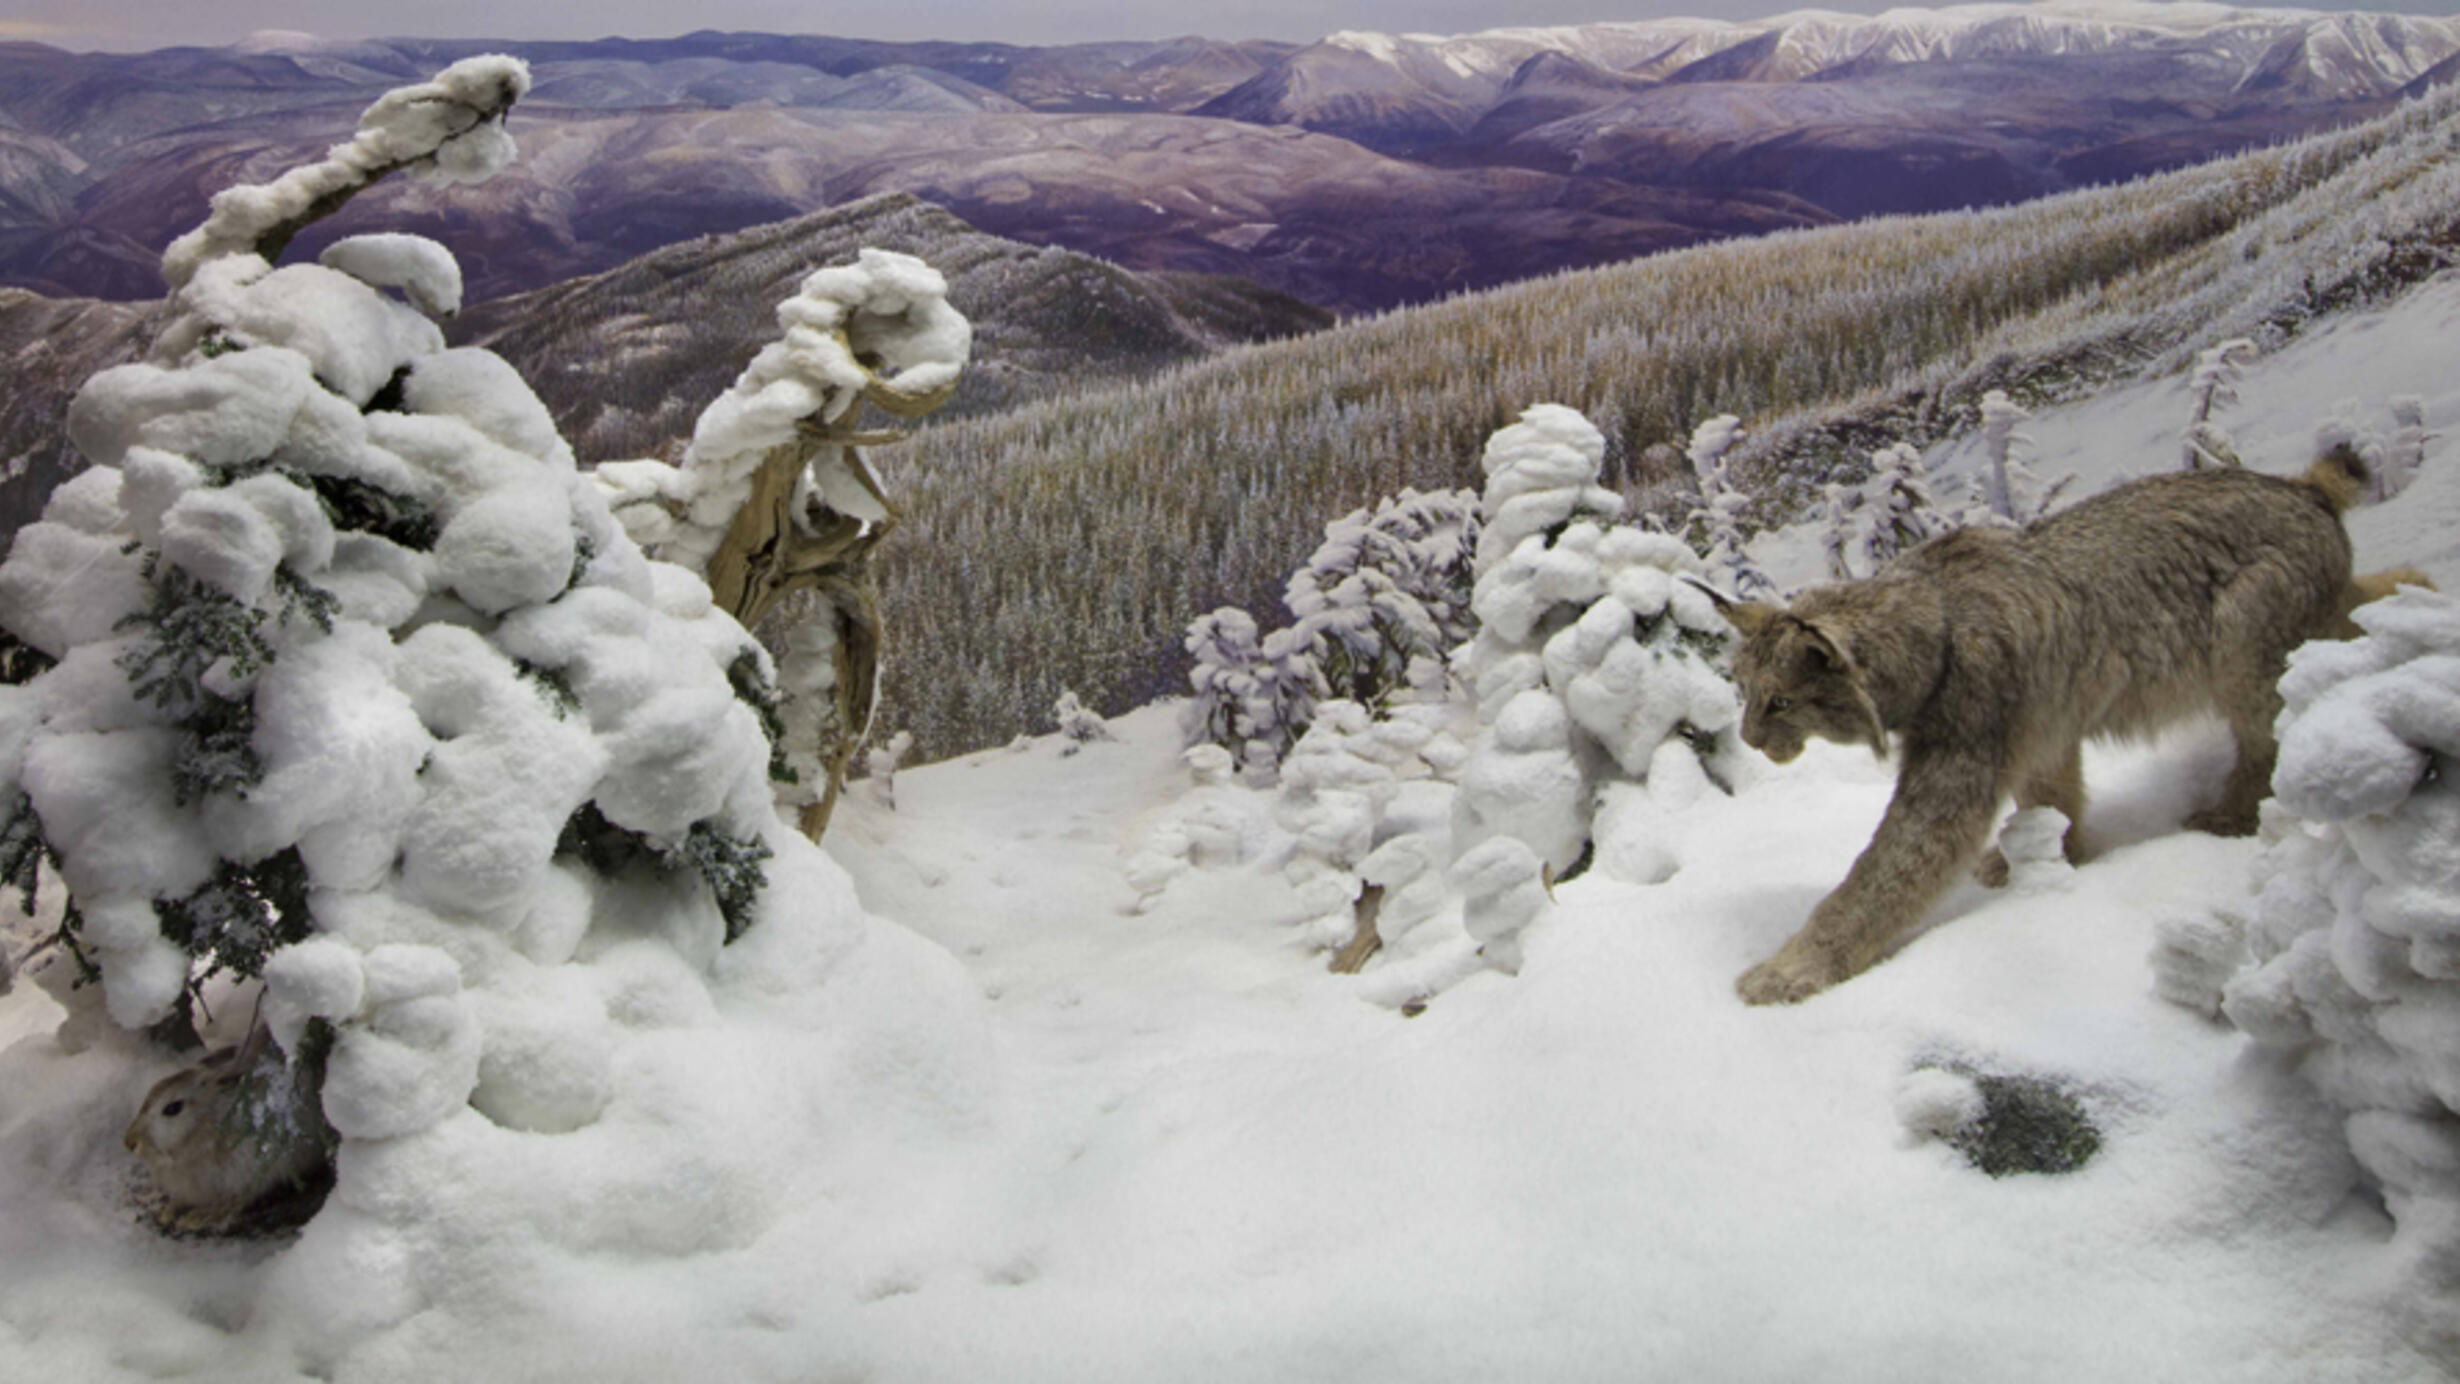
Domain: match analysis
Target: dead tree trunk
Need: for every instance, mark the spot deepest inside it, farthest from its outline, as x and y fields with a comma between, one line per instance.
x=771, y=550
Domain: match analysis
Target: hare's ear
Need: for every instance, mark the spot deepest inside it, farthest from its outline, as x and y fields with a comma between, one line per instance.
x=252, y=1048
x=1747, y=617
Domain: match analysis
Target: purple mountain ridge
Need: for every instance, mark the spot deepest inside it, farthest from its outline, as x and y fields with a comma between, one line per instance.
x=1358, y=172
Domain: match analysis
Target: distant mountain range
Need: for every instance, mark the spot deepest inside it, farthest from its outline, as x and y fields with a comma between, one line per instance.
x=1358, y=172
x=625, y=360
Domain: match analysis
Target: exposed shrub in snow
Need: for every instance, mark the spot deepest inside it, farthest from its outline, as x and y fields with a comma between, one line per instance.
x=2355, y=933
x=1593, y=665
x=2002, y=1124
x=775, y=506
x=360, y=688
x=1841, y=531
x=1724, y=554
x=1713, y=523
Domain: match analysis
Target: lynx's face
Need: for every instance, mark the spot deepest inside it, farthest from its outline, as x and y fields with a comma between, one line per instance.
x=1796, y=684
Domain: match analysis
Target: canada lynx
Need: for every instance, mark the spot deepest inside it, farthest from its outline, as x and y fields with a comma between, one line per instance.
x=1992, y=654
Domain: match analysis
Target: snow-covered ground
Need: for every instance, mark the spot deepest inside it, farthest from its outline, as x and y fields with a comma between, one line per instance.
x=1230, y=1167
x=1207, y=1159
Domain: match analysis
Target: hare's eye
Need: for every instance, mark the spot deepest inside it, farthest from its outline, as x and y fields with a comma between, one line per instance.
x=172, y=1110
x=1780, y=704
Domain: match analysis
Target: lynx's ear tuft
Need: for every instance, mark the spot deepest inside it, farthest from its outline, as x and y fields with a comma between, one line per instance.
x=1747, y=617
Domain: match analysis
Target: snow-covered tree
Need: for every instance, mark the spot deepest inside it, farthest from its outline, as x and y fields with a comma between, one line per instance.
x=1377, y=607
x=1079, y=724
x=1592, y=664
x=2213, y=387
x=775, y=505
x=1727, y=559
x=1253, y=695
x=1843, y=535
x=2010, y=494
x=1333, y=788
x=357, y=688
x=2354, y=939
x=1387, y=587
x=1900, y=512
x=1364, y=875
x=2406, y=450
x=881, y=762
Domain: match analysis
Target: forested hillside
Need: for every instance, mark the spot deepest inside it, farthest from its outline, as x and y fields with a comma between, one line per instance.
x=1068, y=543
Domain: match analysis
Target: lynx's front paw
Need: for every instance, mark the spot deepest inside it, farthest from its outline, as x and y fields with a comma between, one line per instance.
x=1790, y=977
x=1993, y=872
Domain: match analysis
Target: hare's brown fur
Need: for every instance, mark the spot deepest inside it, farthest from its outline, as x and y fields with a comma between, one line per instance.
x=1990, y=656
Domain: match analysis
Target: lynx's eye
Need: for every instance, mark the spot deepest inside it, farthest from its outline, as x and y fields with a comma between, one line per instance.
x=1780, y=705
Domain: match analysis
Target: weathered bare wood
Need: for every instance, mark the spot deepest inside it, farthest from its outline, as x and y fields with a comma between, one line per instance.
x=1365, y=942
x=770, y=551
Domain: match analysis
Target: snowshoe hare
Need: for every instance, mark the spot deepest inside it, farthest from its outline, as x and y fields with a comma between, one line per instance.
x=235, y=1143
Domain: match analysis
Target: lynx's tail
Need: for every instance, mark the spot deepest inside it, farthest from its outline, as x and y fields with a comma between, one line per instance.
x=2373, y=586
x=2340, y=476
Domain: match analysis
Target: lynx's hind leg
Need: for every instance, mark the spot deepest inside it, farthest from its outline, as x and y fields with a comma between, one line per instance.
x=2058, y=784
x=2255, y=625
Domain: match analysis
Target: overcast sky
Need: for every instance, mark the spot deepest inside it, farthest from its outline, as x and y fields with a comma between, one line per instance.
x=84, y=24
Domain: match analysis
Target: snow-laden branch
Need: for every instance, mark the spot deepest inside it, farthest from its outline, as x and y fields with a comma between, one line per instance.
x=880, y=329
x=451, y=128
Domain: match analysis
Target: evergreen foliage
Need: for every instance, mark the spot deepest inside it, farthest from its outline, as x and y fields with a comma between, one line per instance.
x=729, y=866
x=241, y=916
x=20, y=662
x=749, y=676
